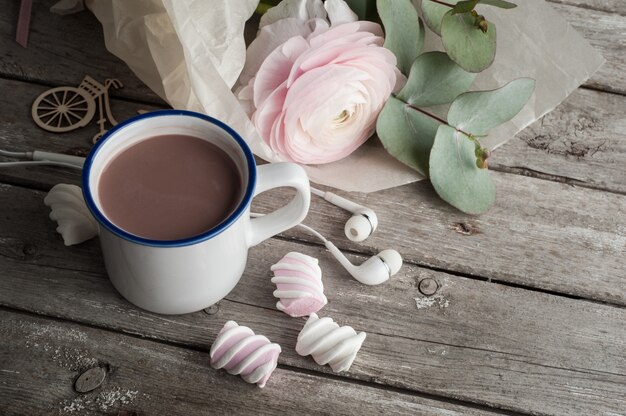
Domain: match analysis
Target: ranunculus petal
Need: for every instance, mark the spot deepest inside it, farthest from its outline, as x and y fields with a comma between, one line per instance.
x=272, y=107
x=339, y=12
x=268, y=39
x=317, y=93
x=276, y=67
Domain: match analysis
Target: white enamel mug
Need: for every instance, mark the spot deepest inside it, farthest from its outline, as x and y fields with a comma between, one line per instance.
x=187, y=275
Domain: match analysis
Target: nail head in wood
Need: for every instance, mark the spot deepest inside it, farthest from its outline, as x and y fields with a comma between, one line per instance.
x=29, y=249
x=90, y=380
x=212, y=310
x=428, y=286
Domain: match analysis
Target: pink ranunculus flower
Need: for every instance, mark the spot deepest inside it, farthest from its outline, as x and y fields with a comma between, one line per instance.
x=315, y=96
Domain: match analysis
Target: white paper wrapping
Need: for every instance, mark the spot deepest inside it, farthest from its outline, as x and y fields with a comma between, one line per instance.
x=190, y=52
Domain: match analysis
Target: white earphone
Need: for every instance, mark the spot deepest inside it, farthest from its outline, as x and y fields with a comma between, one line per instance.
x=363, y=221
x=362, y=224
x=373, y=271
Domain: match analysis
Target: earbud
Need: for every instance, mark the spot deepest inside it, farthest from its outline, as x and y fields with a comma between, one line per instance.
x=373, y=271
x=363, y=221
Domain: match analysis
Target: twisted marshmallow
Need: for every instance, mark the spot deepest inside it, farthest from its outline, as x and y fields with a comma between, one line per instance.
x=329, y=343
x=239, y=351
x=299, y=287
x=68, y=209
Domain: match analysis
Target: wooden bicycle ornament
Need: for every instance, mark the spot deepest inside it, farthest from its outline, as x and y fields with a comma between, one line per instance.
x=63, y=109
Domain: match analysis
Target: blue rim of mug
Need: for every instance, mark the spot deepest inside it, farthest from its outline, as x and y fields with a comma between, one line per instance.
x=184, y=241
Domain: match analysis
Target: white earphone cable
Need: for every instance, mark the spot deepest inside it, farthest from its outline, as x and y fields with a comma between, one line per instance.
x=19, y=155
x=39, y=163
x=315, y=233
x=362, y=273
x=38, y=158
x=317, y=192
x=29, y=155
x=303, y=226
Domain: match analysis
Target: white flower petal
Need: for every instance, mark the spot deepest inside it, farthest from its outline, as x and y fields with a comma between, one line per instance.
x=300, y=9
x=339, y=12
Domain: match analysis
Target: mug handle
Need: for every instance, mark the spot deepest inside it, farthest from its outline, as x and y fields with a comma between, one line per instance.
x=275, y=175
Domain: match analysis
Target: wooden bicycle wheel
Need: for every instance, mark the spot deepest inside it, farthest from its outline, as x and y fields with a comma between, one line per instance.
x=63, y=109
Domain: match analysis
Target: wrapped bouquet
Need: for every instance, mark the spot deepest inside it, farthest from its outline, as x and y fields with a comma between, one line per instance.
x=365, y=94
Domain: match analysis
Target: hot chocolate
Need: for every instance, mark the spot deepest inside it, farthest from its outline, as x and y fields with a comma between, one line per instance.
x=170, y=187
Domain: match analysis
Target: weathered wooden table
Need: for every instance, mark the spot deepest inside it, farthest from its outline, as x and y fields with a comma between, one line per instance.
x=529, y=316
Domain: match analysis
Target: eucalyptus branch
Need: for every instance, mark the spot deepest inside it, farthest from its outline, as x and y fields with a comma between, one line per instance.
x=443, y=3
x=262, y=8
x=482, y=154
x=440, y=120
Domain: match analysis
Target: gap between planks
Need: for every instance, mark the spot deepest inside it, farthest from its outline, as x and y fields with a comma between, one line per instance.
x=88, y=27
x=113, y=92
x=479, y=278
x=330, y=225
x=355, y=252
x=542, y=348
x=581, y=142
x=66, y=338
x=375, y=376
x=607, y=6
x=295, y=369
x=544, y=176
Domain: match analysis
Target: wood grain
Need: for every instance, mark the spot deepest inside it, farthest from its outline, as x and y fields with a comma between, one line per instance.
x=583, y=141
x=474, y=341
x=610, y=6
x=600, y=29
x=603, y=155
x=41, y=359
x=62, y=50
x=58, y=56
x=539, y=234
x=561, y=234
x=18, y=132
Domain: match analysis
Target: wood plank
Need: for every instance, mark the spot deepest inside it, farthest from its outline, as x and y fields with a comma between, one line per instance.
x=538, y=234
x=582, y=141
x=41, y=359
x=18, y=132
x=555, y=233
x=62, y=50
x=75, y=45
x=474, y=341
x=602, y=30
x=609, y=6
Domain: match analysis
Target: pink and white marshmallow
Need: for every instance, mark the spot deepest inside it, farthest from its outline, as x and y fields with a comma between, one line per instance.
x=329, y=343
x=239, y=351
x=299, y=287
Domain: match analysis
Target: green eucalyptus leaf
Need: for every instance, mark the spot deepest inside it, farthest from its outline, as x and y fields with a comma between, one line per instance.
x=467, y=45
x=435, y=79
x=499, y=3
x=454, y=174
x=480, y=111
x=404, y=31
x=464, y=6
x=433, y=14
x=406, y=134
